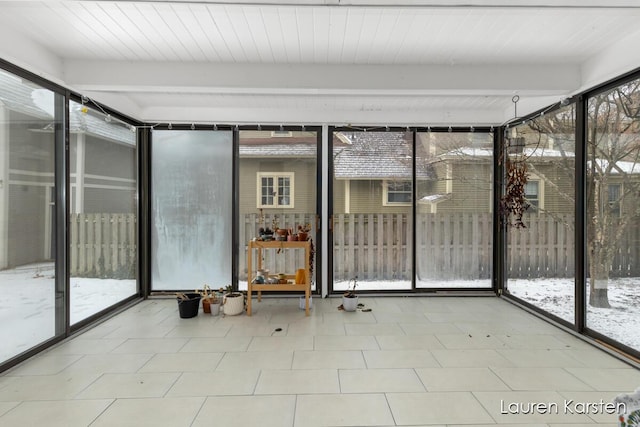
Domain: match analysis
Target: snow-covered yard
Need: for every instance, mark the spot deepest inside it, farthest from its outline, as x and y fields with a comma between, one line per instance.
x=620, y=322
x=27, y=303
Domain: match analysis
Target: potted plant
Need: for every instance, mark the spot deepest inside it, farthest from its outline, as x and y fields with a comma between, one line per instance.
x=188, y=304
x=210, y=301
x=303, y=232
x=215, y=302
x=205, y=297
x=232, y=301
x=349, y=298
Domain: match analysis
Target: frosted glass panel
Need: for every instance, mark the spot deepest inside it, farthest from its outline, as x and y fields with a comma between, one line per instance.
x=191, y=209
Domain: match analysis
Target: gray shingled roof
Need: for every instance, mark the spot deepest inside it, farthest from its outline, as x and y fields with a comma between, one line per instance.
x=278, y=149
x=377, y=155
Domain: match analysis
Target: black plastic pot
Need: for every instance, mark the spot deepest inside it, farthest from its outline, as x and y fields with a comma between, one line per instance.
x=189, y=307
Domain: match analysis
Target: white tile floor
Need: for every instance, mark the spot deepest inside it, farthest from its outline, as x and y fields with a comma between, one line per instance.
x=410, y=361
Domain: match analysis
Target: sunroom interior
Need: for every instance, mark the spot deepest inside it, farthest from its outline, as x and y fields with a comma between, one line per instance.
x=145, y=143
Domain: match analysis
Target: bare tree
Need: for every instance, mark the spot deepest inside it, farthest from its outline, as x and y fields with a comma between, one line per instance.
x=613, y=174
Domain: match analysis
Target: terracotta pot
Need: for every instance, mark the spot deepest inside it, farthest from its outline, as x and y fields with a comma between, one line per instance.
x=206, y=305
x=302, y=236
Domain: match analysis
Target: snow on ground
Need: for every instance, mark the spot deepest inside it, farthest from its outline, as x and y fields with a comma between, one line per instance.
x=620, y=322
x=27, y=302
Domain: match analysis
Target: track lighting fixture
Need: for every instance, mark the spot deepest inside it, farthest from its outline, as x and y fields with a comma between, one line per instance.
x=193, y=126
x=107, y=118
x=215, y=126
x=169, y=127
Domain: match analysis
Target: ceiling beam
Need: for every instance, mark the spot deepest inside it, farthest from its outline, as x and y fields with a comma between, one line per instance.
x=310, y=79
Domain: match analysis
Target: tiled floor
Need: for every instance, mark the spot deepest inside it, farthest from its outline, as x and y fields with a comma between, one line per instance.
x=410, y=361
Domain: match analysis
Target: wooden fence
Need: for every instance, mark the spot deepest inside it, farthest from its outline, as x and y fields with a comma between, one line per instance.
x=448, y=246
x=374, y=246
x=103, y=245
x=546, y=248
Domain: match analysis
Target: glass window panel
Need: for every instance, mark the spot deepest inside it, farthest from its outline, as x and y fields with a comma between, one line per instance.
x=372, y=238
x=103, y=219
x=284, y=191
x=613, y=230
x=540, y=257
x=192, y=185
x=531, y=189
x=453, y=213
x=288, y=160
x=27, y=216
x=614, y=196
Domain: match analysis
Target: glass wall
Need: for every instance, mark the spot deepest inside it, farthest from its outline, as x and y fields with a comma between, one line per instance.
x=540, y=255
x=454, y=180
x=103, y=221
x=27, y=215
x=277, y=189
x=372, y=209
x=613, y=213
x=191, y=193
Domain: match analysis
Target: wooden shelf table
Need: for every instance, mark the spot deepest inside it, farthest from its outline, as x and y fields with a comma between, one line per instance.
x=260, y=246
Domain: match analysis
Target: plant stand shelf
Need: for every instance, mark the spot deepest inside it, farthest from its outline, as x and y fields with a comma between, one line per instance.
x=259, y=246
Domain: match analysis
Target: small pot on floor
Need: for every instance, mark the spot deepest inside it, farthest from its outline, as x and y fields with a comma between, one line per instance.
x=233, y=304
x=349, y=303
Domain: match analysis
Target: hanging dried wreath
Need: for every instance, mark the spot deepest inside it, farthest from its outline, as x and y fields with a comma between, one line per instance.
x=513, y=203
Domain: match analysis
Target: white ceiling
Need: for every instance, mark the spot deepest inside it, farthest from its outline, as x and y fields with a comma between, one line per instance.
x=332, y=61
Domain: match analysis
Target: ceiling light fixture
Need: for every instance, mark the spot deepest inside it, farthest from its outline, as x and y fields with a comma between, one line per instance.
x=193, y=126
x=215, y=126
x=169, y=127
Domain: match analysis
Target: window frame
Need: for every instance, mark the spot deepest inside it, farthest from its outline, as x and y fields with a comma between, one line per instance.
x=386, y=192
x=536, y=209
x=275, y=176
x=617, y=210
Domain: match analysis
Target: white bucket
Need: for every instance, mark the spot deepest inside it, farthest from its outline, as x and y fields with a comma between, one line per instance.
x=301, y=303
x=349, y=304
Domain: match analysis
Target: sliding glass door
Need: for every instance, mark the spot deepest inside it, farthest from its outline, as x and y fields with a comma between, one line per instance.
x=372, y=209
x=30, y=307
x=191, y=193
x=104, y=205
x=454, y=180
x=278, y=188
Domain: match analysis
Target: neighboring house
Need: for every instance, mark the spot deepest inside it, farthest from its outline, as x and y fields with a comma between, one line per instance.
x=98, y=178
x=373, y=172
x=465, y=176
x=278, y=172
